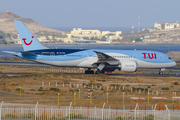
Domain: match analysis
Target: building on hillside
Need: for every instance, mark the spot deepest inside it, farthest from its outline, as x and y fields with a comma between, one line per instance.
x=93, y=34
x=67, y=40
x=162, y=26
x=43, y=39
x=18, y=40
x=85, y=33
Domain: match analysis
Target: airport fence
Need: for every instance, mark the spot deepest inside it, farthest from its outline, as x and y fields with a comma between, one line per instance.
x=85, y=114
x=80, y=114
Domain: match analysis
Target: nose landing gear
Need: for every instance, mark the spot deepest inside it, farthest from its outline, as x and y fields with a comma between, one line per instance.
x=161, y=71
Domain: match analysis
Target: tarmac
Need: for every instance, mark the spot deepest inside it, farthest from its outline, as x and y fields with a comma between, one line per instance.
x=146, y=72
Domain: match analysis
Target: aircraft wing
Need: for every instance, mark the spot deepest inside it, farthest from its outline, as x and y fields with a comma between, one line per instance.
x=104, y=58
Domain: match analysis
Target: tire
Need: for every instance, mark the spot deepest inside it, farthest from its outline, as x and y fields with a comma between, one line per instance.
x=97, y=72
x=89, y=72
x=160, y=73
x=102, y=72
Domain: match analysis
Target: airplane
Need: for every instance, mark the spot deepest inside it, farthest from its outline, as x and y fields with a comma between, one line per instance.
x=100, y=60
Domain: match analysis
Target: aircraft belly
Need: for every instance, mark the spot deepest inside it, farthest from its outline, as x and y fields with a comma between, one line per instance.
x=72, y=63
x=142, y=64
x=88, y=63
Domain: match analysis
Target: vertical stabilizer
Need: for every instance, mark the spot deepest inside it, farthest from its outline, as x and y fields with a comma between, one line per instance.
x=29, y=41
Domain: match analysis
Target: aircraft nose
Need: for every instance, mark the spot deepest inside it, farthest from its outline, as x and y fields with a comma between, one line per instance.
x=174, y=63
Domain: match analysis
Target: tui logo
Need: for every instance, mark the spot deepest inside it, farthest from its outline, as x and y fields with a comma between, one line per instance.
x=24, y=39
x=150, y=55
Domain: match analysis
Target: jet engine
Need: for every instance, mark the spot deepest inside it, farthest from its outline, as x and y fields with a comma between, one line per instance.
x=128, y=66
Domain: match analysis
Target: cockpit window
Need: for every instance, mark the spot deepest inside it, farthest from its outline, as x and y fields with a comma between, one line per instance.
x=169, y=57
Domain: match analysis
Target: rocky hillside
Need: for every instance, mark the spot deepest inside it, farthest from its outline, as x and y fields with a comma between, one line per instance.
x=7, y=24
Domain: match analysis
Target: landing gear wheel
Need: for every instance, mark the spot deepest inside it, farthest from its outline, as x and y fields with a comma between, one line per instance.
x=97, y=72
x=102, y=72
x=89, y=72
x=160, y=73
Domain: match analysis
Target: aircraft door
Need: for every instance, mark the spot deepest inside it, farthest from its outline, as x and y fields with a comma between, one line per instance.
x=135, y=56
x=161, y=58
x=52, y=55
x=85, y=56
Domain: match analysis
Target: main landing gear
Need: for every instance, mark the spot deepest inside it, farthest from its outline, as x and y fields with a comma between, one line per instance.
x=99, y=72
x=89, y=71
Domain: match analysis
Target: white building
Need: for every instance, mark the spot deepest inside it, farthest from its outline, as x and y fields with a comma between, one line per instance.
x=78, y=33
x=161, y=26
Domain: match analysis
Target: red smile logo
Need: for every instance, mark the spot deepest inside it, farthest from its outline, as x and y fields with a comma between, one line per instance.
x=24, y=39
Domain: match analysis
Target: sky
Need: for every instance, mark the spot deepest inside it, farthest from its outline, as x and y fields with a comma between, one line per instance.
x=95, y=13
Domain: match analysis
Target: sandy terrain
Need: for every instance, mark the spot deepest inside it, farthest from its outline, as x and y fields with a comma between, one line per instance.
x=31, y=93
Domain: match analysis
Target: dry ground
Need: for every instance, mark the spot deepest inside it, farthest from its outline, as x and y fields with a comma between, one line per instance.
x=31, y=84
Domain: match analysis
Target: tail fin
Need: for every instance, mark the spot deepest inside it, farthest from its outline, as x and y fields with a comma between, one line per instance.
x=29, y=41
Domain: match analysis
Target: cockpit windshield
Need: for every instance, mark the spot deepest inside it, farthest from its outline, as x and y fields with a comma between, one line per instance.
x=169, y=57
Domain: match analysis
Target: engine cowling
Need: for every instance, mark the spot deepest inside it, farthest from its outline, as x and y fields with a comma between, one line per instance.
x=128, y=66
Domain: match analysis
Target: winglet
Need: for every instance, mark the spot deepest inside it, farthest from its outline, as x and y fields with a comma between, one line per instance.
x=29, y=41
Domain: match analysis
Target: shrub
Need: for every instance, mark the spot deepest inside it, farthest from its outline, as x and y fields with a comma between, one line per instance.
x=18, y=89
x=119, y=118
x=148, y=117
x=71, y=90
x=55, y=89
x=94, y=84
x=142, y=89
x=33, y=90
x=40, y=89
x=114, y=85
x=38, y=74
x=98, y=84
x=176, y=83
x=90, y=84
x=10, y=116
x=28, y=115
x=165, y=88
x=79, y=116
x=77, y=90
x=4, y=75
x=146, y=89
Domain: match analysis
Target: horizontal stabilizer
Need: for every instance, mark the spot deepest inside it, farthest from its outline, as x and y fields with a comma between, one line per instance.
x=9, y=52
x=27, y=53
